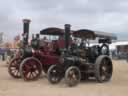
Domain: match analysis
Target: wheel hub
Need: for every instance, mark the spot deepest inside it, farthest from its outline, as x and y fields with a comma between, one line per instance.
x=72, y=75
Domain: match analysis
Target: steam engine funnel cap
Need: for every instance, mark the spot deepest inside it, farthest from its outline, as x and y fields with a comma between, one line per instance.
x=26, y=20
x=67, y=25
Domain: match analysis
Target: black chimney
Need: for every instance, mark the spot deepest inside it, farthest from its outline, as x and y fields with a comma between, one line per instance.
x=25, y=31
x=67, y=35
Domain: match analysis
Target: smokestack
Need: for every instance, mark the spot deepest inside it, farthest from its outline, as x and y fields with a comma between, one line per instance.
x=25, y=30
x=67, y=35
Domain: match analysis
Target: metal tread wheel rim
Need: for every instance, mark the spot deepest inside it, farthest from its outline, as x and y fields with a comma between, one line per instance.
x=103, y=69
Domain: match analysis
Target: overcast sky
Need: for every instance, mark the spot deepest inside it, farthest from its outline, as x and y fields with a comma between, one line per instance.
x=102, y=15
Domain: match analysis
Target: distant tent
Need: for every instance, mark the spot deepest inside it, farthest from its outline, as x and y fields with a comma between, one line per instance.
x=119, y=43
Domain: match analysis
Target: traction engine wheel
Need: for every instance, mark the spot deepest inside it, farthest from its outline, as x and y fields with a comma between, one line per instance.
x=54, y=74
x=13, y=68
x=103, y=69
x=30, y=69
x=72, y=76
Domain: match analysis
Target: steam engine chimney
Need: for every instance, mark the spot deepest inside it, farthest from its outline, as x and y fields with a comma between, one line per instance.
x=67, y=35
x=25, y=31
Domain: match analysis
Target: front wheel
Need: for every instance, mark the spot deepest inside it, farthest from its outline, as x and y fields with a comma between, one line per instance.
x=30, y=69
x=54, y=74
x=13, y=67
x=72, y=76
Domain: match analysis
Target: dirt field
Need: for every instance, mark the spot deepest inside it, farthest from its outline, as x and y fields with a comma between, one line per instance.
x=118, y=86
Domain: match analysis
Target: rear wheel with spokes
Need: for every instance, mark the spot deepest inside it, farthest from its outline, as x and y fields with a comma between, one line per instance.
x=103, y=69
x=30, y=69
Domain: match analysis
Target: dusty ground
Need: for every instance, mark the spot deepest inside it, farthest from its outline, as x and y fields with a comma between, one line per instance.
x=118, y=86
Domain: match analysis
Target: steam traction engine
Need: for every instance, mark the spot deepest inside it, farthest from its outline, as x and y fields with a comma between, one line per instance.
x=83, y=61
x=32, y=59
x=24, y=51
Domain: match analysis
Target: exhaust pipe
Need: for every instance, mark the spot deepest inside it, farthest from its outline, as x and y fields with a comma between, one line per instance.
x=67, y=35
x=26, y=23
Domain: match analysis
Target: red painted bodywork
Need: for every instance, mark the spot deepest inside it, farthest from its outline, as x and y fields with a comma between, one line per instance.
x=47, y=57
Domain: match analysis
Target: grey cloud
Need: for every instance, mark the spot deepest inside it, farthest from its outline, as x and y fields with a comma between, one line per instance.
x=103, y=15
